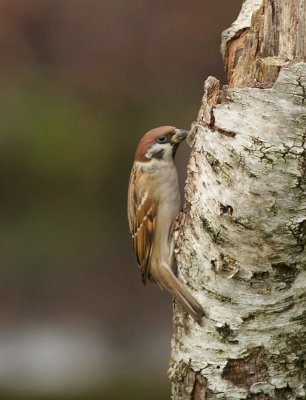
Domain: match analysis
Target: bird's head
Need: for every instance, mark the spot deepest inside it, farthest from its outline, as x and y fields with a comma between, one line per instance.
x=160, y=144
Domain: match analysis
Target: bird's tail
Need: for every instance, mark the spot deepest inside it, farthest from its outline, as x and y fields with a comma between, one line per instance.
x=171, y=283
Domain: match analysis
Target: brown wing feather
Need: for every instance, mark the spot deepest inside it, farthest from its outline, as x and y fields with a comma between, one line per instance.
x=141, y=214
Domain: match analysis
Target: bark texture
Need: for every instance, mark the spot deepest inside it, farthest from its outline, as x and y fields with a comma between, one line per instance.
x=241, y=245
x=266, y=35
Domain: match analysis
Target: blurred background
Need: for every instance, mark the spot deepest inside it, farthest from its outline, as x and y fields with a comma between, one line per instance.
x=80, y=82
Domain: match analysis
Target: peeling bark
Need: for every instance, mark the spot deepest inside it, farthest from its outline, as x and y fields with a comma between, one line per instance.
x=267, y=35
x=241, y=245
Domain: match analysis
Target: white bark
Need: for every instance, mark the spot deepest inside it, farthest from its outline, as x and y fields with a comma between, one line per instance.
x=241, y=245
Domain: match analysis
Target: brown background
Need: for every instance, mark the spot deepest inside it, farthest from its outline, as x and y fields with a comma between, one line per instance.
x=80, y=82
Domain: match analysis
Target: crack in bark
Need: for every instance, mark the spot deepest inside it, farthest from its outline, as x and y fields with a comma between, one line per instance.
x=298, y=231
x=299, y=81
x=215, y=235
x=189, y=384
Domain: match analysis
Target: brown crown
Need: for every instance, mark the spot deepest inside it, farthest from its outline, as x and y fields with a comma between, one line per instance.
x=148, y=139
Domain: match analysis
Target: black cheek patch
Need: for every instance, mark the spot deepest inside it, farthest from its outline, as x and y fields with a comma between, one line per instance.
x=174, y=148
x=158, y=154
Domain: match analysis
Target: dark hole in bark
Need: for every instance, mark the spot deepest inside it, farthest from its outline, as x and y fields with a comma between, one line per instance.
x=224, y=331
x=284, y=272
x=260, y=396
x=250, y=317
x=260, y=280
x=260, y=276
x=226, y=209
x=226, y=133
x=233, y=341
x=283, y=394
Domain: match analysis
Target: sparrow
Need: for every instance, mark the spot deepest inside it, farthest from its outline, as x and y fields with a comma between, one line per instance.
x=153, y=204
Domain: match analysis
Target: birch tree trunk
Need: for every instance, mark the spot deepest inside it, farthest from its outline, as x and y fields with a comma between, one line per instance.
x=241, y=244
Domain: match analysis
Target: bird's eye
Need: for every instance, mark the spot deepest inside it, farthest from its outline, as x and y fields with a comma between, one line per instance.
x=162, y=139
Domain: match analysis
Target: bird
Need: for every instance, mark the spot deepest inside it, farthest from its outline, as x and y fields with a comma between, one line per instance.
x=153, y=205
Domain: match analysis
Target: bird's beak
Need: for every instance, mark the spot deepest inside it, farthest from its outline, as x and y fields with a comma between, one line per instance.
x=179, y=136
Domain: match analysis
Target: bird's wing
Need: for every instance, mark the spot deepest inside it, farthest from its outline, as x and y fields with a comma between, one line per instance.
x=142, y=221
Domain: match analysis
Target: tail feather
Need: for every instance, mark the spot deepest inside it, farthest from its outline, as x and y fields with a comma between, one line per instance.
x=171, y=283
x=188, y=302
